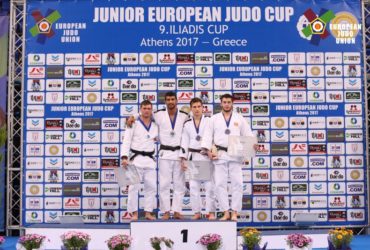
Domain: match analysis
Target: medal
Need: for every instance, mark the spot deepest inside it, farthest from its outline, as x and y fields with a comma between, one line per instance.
x=227, y=131
x=173, y=124
x=148, y=136
x=197, y=129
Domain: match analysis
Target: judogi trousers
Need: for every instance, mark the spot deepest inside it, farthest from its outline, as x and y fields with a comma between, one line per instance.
x=233, y=169
x=170, y=170
x=149, y=176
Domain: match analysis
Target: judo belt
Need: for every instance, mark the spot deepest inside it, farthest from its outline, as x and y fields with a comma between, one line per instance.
x=192, y=150
x=143, y=153
x=165, y=147
x=221, y=148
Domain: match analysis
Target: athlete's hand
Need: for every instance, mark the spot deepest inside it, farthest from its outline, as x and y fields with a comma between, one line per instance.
x=184, y=166
x=124, y=163
x=130, y=121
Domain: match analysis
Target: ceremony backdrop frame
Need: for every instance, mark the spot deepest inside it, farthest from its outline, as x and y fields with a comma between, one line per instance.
x=17, y=42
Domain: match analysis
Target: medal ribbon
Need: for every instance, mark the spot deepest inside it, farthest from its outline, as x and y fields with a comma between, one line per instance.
x=195, y=126
x=146, y=128
x=227, y=122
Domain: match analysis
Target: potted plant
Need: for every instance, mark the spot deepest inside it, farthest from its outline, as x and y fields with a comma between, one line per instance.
x=211, y=241
x=251, y=239
x=31, y=241
x=119, y=242
x=158, y=242
x=75, y=240
x=340, y=239
x=2, y=240
x=299, y=242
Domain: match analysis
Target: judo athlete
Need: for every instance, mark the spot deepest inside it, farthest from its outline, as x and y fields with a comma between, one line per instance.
x=191, y=150
x=138, y=149
x=220, y=127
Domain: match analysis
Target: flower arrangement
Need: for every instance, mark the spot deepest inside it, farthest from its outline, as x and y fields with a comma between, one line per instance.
x=211, y=241
x=251, y=238
x=157, y=241
x=298, y=241
x=31, y=241
x=2, y=240
x=340, y=238
x=119, y=242
x=75, y=240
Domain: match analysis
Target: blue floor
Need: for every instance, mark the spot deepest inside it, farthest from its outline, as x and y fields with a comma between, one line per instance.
x=361, y=242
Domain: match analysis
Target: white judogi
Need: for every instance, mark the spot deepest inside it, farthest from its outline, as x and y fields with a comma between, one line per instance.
x=225, y=165
x=141, y=138
x=169, y=163
x=189, y=140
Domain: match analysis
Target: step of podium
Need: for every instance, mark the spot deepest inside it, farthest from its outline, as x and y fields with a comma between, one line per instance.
x=183, y=233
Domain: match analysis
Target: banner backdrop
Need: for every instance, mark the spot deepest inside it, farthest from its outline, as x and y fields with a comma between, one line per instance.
x=294, y=68
x=4, y=27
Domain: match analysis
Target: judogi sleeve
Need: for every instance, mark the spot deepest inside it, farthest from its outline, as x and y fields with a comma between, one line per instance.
x=127, y=139
x=246, y=129
x=185, y=140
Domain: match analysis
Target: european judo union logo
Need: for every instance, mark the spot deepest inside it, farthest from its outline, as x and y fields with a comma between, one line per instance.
x=43, y=27
x=315, y=27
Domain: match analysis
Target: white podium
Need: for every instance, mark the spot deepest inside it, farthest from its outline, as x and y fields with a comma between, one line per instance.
x=185, y=234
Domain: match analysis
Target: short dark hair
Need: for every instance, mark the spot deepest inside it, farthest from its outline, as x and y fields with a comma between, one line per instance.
x=195, y=100
x=227, y=96
x=169, y=94
x=145, y=103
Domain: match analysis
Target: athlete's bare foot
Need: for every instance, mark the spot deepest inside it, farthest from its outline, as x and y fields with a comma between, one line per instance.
x=211, y=216
x=166, y=216
x=149, y=216
x=134, y=216
x=226, y=216
x=234, y=216
x=196, y=216
x=178, y=216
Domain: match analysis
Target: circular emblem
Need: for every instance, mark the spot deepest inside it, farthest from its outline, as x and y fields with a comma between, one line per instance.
x=279, y=123
x=343, y=25
x=34, y=189
x=317, y=26
x=44, y=26
x=53, y=150
x=92, y=97
x=262, y=216
x=298, y=162
x=315, y=71
x=355, y=174
x=148, y=58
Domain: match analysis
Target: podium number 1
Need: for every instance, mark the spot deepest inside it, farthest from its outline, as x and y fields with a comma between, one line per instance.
x=184, y=235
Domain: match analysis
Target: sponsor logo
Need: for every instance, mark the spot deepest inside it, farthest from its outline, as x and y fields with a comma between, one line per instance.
x=72, y=189
x=166, y=58
x=92, y=72
x=129, y=59
x=337, y=215
x=129, y=97
x=261, y=189
x=185, y=58
x=222, y=58
x=148, y=58
x=260, y=58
